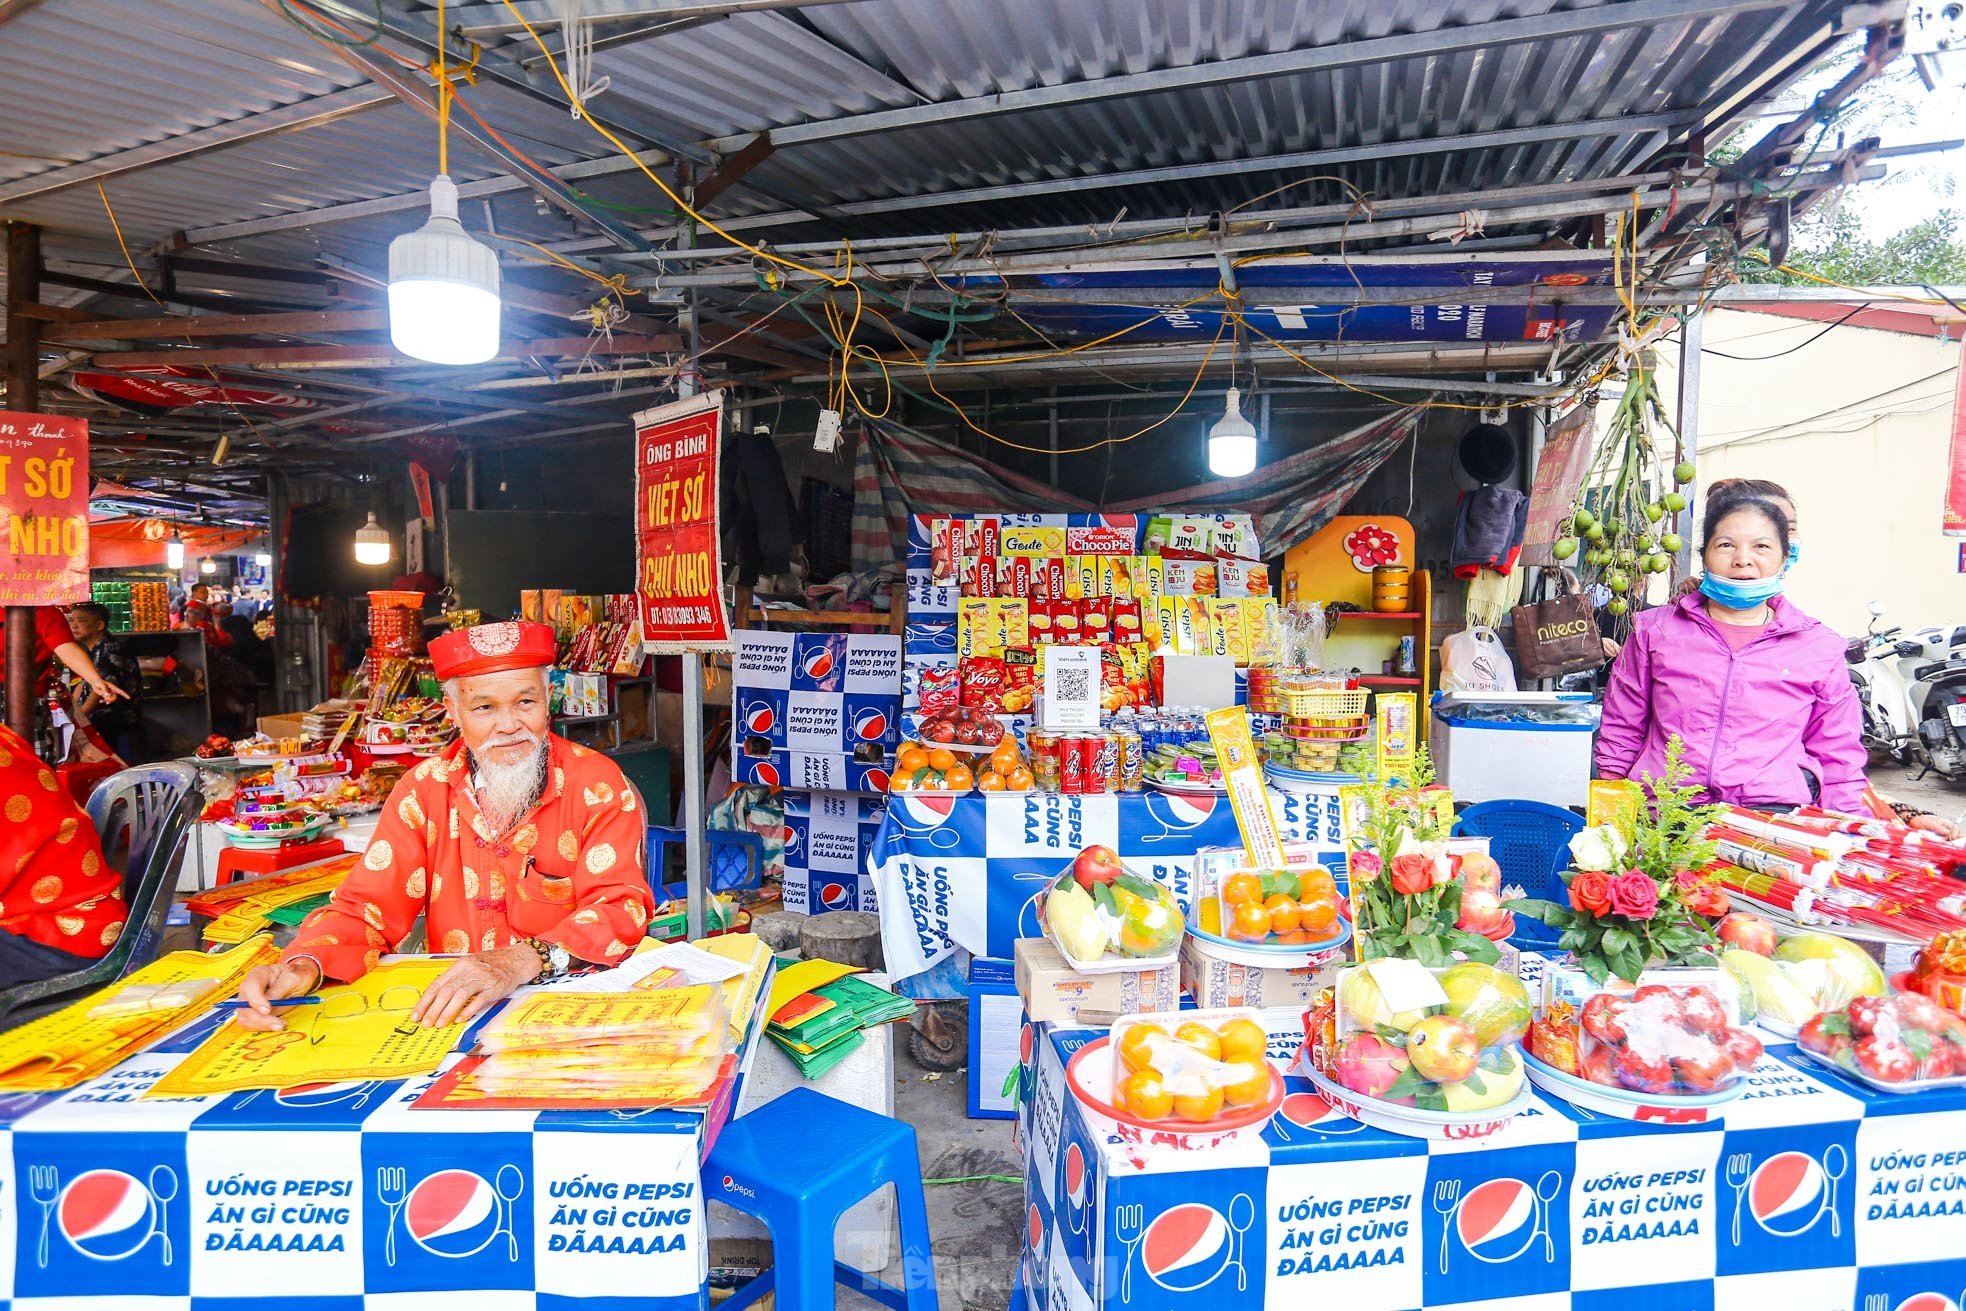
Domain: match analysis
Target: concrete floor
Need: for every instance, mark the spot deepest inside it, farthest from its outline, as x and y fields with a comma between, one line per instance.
x=976, y=1226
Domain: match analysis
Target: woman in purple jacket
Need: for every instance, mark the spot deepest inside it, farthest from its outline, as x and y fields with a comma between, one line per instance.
x=1755, y=688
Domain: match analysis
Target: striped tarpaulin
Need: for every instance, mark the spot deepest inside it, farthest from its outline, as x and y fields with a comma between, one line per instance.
x=898, y=472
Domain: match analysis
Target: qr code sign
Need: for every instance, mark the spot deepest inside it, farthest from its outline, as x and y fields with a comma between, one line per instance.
x=1074, y=683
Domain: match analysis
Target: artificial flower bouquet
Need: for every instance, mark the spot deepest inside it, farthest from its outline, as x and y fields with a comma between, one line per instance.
x=1412, y=894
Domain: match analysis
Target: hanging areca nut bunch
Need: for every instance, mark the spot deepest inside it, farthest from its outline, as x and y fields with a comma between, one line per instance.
x=1626, y=520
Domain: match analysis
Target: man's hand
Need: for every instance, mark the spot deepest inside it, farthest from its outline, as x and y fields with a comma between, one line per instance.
x=474, y=983
x=105, y=690
x=1931, y=823
x=265, y=985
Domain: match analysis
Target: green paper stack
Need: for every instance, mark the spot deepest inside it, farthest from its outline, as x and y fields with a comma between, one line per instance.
x=823, y=1027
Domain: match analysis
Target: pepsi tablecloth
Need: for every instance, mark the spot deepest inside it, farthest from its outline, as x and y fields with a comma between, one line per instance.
x=964, y=872
x=339, y=1197
x=1812, y=1195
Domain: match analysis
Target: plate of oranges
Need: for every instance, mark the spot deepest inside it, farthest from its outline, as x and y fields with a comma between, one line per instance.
x=1190, y=1079
x=1005, y=770
x=928, y=767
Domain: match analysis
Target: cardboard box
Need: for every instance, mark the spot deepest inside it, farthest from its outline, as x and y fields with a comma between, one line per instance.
x=279, y=726
x=1055, y=993
x=817, y=694
x=1217, y=982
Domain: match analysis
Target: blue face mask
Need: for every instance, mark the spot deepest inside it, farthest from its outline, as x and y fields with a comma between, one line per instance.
x=1795, y=553
x=1740, y=593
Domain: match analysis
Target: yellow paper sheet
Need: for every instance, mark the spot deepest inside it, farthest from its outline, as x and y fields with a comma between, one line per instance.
x=800, y=979
x=561, y=1019
x=741, y=994
x=69, y=1047
x=325, y=1042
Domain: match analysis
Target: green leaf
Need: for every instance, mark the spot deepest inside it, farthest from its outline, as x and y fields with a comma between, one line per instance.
x=1391, y=1036
x=1836, y=1023
x=1406, y=1085
x=1473, y=1082
x=1145, y=889
x=1594, y=965
x=1918, y=1042
x=1430, y=1098
x=1495, y=1060
x=1290, y=884
x=1482, y=951
x=1616, y=939
x=1429, y=951
x=1103, y=894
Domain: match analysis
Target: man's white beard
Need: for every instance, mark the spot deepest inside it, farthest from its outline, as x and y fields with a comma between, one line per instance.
x=507, y=792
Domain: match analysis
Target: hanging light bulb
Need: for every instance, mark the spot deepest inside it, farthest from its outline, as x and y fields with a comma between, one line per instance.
x=1232, y=441
x=174, y=552
x=264, y=559
x=443, y=288
x=372, y=542
x=208, y=566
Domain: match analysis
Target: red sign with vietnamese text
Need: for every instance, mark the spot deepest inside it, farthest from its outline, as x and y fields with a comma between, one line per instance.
x=679, y=567
x=44, y=492
x=1954, y=524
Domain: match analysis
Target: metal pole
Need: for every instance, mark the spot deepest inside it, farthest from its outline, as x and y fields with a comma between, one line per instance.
x=1692, y=333
x=1052, y=429
x=695, y=845
x=23, y=393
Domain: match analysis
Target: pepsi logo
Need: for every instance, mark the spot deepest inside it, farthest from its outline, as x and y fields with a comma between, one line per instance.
x=1178, y=811
x=1927, y=1302
x=1309, y=1110
x=835, y=896
x=1498, y=1220
x=453, y=1213
x=791, y=840
x=870, y=725
x=1789, y=1192
x=927, y=812
x=819, y=664
x=877, y=780
x=759, y=717
x=763, y=771
x=1186, y=1247
x=1026, y=1044
x=335, y=1093
x=1075, y=1175
x=106, y=1214
x=1036, y=1227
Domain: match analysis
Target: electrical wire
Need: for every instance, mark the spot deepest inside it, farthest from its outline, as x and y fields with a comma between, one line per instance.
x=1812, y=340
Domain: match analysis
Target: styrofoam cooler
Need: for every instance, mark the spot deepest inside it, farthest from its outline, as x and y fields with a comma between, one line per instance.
x=1526, y=759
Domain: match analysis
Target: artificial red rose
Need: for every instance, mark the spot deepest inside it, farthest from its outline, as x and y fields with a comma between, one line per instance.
x=1590, y=891
x=1634, y=895
x=1365, y=866
x=1412, y=874
x=1710, y=900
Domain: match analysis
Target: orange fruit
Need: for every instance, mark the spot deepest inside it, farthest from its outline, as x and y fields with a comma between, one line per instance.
x=1294, y=938
x=941, y=758
x=1200, y=1037
x=1252, y=1088
x=1019, y=779
x=1240, y=888
x=1251, y=923
x=910, y=758
x=1283, y=913
x=990, y=782
x=900, y=782
x=1317, y=911
x=1134, y=1043
x=1006, y=757
x=1199, y=1106
x=1143, y=1093
x=960, y=779
x=1244, y=1040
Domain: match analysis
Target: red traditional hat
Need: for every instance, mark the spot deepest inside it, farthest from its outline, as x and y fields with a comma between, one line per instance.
x=491, y=648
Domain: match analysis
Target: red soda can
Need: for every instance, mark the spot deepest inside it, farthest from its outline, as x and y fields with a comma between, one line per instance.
x=1071, y=766
x=1090, y=765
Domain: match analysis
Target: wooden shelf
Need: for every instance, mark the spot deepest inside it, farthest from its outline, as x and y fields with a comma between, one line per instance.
x=1346, y=616
x=1392, y=680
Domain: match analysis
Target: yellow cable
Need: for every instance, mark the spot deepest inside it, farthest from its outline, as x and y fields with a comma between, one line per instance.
x=444, y=94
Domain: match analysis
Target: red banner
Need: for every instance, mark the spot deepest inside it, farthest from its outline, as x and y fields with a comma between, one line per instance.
x=1955, y=515
x=679, y=567
x=1559, y=472
x=44, y=493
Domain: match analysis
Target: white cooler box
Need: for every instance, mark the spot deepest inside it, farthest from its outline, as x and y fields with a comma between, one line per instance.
x=1529, y=746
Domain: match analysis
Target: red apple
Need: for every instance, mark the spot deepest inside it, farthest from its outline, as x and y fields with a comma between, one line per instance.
x=1703, y=1066
x=1603, y=1018
x=1443, y=1049
x=1702, y=1012
x=1097, y=865
x=1748, y=933
x=1479, y=871
x=1646, y=1074
x=1744, y=1047
x=1481, y=911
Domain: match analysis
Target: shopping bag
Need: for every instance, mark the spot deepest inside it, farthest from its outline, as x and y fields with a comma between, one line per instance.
x=1474, y=660
x=1556, y=634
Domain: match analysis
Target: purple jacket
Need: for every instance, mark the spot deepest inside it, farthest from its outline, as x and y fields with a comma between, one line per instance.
x=1753, y=720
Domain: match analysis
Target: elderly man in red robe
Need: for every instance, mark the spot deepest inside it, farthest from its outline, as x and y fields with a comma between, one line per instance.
x=523, y=852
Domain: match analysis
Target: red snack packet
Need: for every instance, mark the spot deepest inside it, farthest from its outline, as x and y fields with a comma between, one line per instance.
x=1096, y=620
x=1127, y=628
x=939, y=689
x=1054, y=578
x=987, y=576
x=983, y=681
x=1020, y=577
x=1066, y=625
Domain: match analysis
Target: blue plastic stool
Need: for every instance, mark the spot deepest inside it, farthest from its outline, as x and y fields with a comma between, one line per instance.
x=801, y=1162
x=1530, y=840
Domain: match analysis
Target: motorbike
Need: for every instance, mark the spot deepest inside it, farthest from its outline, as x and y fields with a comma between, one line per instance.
x=1913, y=693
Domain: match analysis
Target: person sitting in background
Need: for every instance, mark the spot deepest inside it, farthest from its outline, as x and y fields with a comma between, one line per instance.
x=523, y=852
x=1756, y=689
x=115, y=720
x=61, y=904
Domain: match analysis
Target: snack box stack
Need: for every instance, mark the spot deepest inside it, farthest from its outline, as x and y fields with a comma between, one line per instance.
x=150, y=607
x=997, y=593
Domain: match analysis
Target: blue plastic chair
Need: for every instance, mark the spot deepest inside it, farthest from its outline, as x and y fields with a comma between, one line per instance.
x=1530, y=840
x=798, y=1164
x=737, y=860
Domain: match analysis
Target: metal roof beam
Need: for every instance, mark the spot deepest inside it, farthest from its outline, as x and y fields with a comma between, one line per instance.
x=491, y=66
x=286, y=118
x=1339, y=54
x=496, y=20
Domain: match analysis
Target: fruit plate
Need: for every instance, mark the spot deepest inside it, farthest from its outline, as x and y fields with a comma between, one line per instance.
x=1412, y=1121
x=1945, y=989
x=1285, y=779
x=917, y=731
x=1863, y=1080
x=1090, y=1076
x=1270, y=955
x=265, y=838
x=1108, y=964
x=1187, y=789
x=1622, y=1104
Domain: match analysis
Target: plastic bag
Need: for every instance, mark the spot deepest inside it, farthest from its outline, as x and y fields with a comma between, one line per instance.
x=1474, y=660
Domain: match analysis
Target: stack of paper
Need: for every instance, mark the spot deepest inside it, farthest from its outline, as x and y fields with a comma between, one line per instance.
x=81, y=1041
x=243, y=909
x=821, y=1028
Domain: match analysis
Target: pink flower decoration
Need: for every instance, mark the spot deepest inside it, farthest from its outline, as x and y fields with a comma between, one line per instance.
x=1634, y=895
